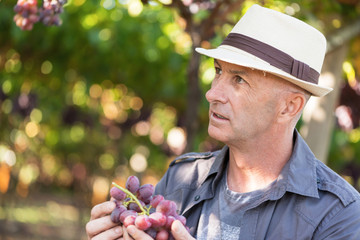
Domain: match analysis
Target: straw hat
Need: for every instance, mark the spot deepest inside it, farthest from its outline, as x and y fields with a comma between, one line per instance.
x=277, y=43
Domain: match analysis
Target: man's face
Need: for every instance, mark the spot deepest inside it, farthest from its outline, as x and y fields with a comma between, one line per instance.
x=243, y=103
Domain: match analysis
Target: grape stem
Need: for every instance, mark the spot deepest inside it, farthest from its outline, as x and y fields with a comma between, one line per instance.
x=132, y=196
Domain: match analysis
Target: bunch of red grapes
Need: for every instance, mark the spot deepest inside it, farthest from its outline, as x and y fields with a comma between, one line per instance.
x=28, y=13
x=49, y=14
x=136, y=205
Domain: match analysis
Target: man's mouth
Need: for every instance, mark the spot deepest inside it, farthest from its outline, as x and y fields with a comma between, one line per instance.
x=216, y=115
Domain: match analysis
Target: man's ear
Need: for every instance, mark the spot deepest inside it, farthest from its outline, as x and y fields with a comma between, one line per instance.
x=292, y=107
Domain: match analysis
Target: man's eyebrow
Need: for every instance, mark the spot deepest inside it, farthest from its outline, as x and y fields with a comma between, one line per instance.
x=240, y=72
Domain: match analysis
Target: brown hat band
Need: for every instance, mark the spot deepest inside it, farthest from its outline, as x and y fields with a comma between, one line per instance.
x=273, y=56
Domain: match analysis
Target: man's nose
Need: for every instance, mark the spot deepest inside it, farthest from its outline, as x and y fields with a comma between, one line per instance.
x=216, y=93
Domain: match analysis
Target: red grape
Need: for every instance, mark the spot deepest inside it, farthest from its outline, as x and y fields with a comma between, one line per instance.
x=151, y=232
x=135, y=206
x=157, y=219
x=127, y=213
x=147, y=200
x=129, y=220
x=132, y=184
x=171, y=237
x=115, y=215
x=155, y=200
x=181, y=218
x=169, y=221
x=117, y=193
x=167, y=207
x=162, y=235
x=142, y=222
x=145, y=192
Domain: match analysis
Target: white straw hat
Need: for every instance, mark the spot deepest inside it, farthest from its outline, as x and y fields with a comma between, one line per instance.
x=277, y=43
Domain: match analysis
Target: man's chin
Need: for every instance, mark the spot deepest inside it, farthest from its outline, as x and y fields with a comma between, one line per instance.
x=216, y=133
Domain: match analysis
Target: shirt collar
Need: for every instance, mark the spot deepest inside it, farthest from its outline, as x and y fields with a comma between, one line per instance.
x=298, y=175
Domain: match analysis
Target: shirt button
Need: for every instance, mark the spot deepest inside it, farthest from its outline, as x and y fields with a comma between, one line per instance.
x=197, y=197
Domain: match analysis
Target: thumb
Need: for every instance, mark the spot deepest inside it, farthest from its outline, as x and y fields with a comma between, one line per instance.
x=180, y=232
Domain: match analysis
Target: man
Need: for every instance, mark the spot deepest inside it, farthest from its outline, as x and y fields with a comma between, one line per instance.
x=265, y=183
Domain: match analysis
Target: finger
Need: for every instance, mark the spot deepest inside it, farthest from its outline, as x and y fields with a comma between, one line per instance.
x=113, y=233
x=96, y=226
x=102, y=209
x=179, y=231
x=126, y=235
x=137, y=234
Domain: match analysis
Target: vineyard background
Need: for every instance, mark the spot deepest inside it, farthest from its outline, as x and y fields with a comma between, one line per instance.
x=117, y=90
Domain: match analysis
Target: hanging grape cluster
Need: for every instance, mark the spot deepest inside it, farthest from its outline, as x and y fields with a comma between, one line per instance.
x=28, y=13
x=136, y=205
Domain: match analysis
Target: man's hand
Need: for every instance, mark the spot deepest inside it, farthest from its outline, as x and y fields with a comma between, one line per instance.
x=177, y=229
x=100, y=225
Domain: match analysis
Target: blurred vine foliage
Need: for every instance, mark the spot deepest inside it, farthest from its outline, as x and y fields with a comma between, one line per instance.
x=103, y=96
x=98, y=98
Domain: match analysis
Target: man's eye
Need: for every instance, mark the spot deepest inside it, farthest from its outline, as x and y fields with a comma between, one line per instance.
x=239, y=79
x=218, y=70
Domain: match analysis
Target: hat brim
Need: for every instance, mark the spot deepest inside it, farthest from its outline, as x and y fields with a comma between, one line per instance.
x=236, y=56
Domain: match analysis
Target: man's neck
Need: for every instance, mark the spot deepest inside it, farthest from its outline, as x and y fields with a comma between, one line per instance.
x=255, y=164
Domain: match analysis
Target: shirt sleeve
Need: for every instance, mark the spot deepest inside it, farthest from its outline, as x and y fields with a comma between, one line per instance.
x=342, y=223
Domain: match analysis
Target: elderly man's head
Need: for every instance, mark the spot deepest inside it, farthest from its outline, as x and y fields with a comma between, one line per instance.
x=266, y=69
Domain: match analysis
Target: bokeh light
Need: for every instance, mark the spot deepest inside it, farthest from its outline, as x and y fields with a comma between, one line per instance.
x=4, y=177
x=64, y=177
x=136, y=103
x=135, y=7
x=49, y=166
x=110, y=110
x=7, y=86
x=138, y=162
x=21, y=141
x=36, y=115
x=77, y=133
x=105, y=34
x=89, y=21
x=142, y=128
x=7, y=156
x=32, y=129
x=100, y=188
x=46, y=67
x=176, y=140
x=28, y=173
x=95, y=91
x=157, y=135
x=106, y=161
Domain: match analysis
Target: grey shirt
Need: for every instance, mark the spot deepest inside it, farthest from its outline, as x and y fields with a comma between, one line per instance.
x=307, y=201
x=221, y=217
